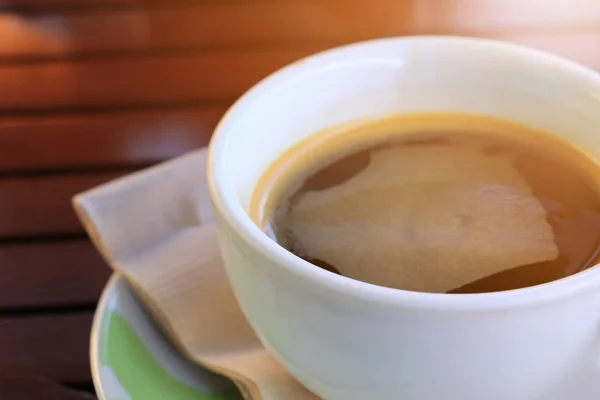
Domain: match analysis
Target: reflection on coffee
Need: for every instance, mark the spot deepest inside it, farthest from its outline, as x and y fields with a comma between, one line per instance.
x=435, y=203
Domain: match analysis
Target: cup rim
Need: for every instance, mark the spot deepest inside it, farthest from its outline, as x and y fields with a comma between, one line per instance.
x=232, y=211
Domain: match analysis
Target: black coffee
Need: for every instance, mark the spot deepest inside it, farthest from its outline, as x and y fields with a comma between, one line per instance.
x=435, y=203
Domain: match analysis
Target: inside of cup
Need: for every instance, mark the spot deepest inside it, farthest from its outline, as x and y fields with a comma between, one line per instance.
x=398, y=76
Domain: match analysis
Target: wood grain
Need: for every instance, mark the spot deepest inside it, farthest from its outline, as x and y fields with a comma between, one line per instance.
x=211, y=24
x=50, y=274
x=193, y=78
x=70, y=5
x=117, y=82
x=44, y=5
x=124, y=138
x=221, y=24
x=53, y=346
x=42, y=205
x=25, y=388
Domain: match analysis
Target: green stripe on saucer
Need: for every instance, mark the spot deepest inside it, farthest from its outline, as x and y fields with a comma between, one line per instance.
x=124, y=353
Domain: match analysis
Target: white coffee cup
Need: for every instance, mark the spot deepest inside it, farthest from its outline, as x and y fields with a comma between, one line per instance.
x=349, y=340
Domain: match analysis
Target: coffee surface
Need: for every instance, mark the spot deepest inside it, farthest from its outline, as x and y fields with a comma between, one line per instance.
x=435, y=203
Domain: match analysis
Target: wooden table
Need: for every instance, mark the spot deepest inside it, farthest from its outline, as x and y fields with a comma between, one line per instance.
x=94, y=89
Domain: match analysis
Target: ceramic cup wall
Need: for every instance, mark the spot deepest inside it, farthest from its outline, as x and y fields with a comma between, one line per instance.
x=348, y=340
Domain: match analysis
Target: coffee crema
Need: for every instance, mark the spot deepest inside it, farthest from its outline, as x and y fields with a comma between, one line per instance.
x=445, y=203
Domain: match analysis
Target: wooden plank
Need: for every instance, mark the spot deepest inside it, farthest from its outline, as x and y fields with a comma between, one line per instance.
x=127, y=138
x=53, y=346
x=78, y=5
x=23, y=388
x=35, y=5
x=51, y=274
x=250, y=23
x=42, y=205
x=193, y=78
x=129, y=82
x=225, y=24
x=66, y=3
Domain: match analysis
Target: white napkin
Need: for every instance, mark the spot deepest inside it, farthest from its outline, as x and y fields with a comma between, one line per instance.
x=154, y=228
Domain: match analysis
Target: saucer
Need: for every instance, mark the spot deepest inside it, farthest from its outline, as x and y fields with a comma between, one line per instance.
x=132, y=360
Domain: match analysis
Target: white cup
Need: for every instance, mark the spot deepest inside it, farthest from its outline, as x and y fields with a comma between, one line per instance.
x=349, y=340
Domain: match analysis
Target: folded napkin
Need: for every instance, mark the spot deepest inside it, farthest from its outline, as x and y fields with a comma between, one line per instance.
x=154, y=228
